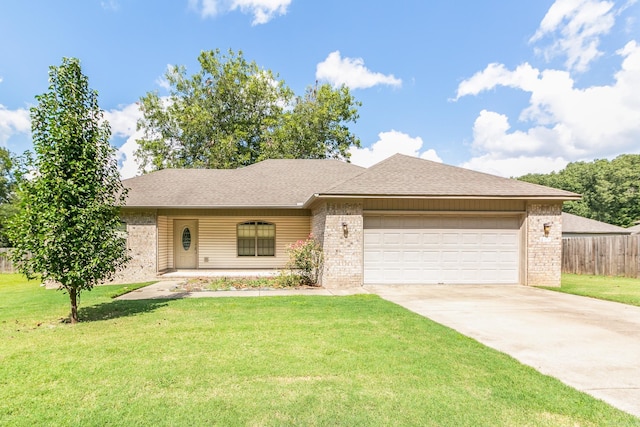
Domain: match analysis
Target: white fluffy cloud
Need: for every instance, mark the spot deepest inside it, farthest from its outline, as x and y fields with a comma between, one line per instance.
x=352, y=73
x=123, y=124
x=515, y=166
x=388, y=144
x=13, y=122
x=567, y=122
x=576, y=27
x=562, y=122
x=263, y=11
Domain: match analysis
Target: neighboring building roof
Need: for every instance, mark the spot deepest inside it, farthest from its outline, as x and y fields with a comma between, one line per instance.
x=634, y=230
x=402, y=175
x=297, y=182
x=574, y=225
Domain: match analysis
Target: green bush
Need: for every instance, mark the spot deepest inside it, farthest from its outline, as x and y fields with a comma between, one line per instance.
x=305, y=260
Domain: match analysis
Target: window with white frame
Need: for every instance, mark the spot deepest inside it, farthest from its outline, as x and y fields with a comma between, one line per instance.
x=256, y=238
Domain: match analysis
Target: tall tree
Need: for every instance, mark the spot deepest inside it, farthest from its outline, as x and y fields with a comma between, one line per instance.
x=7, y=185
x=66, y=229
x=610, y=188
x=233, y=113
x=316, y=126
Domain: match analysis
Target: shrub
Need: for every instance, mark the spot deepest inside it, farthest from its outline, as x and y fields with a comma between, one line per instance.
x=305, y=260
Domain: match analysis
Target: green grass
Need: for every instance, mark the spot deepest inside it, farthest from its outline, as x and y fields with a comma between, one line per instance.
x=619, y=289
x=310, y=361
x=125, y=289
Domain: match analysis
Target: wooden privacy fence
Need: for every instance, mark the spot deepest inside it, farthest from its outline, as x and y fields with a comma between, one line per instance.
x=6, y=266
x=602, y=256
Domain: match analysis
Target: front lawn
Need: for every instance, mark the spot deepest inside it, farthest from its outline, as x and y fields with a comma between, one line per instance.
x=311, y=361
x=619, y=289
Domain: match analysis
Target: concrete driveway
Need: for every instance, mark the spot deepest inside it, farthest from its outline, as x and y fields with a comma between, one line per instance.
x=591, y=345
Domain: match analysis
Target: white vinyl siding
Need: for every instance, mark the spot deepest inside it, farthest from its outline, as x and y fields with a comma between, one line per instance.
x=414, y=249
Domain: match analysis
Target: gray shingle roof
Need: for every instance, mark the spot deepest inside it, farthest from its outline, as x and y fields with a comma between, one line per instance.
x=575, y=224
x=402, y=175
x=293, y=183
x=271, y=183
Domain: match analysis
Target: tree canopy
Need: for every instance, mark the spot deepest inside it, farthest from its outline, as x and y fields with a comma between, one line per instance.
x=233, y=113
x=610, y=188
x=7, y=186
x=66, y=227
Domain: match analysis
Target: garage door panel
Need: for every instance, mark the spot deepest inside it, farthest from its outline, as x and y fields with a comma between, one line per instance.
x=410, y=238
x=429, y=250
x=431, y=238
x=450, y=238
x=411, y=258
x=391, y=257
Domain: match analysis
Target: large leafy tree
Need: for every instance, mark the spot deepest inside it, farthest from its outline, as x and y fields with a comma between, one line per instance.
x=7, y=186
x=610, y=188
x=66, y=228
x=233, y=113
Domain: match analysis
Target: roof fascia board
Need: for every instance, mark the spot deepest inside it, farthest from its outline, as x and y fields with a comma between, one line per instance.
x=435, y=197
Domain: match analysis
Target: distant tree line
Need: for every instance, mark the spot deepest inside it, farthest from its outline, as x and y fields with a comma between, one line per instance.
x=610, y=189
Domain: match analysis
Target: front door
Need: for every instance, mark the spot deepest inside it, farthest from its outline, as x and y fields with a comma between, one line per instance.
x=185, y=248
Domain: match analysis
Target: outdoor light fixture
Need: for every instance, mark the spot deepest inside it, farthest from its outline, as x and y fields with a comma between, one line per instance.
x=345, y=229
x=547, y=228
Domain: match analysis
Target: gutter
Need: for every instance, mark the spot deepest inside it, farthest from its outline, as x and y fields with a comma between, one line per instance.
x=438, y=197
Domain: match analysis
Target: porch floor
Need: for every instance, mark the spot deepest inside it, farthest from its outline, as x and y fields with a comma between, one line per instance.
x=174, y=274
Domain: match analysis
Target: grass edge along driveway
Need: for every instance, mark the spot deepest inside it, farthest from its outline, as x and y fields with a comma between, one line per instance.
x=356, y=360
x=618, y=289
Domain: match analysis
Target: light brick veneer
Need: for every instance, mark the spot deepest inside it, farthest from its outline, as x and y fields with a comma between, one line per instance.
x=544, y=254
x=141, y=245
x=343, y=258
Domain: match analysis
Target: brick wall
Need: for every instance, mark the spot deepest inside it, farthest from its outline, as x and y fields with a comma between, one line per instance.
x=141, y=244
x=544, y=253
x=343, y=257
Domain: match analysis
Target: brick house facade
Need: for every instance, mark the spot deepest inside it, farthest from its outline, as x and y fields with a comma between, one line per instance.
x=405, y=220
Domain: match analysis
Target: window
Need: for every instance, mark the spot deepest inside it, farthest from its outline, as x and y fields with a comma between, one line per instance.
x=256, y=238
x=186, y=238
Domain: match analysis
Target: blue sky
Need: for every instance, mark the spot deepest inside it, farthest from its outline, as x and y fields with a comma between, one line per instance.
x=495, y=85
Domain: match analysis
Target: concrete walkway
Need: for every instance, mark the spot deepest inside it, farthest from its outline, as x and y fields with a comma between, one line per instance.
x=166, y=289
x=589, y=344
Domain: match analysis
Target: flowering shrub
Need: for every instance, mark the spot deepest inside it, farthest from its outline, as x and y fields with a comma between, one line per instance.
x=305, y=259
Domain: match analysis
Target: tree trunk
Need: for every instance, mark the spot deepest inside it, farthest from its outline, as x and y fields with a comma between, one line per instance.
x=73, y=296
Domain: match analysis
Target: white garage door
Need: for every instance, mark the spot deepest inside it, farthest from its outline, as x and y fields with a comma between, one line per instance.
x=449, y=250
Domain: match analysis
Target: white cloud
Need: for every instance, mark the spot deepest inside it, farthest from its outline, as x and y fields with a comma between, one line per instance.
x=388, y=144
x=352, y=73
x=524, y=76
x=565, y=123
x=263, y=11
x=13, y=122
x=111, y=5
x=515, y=166
x=575, y=27
x=123, y=123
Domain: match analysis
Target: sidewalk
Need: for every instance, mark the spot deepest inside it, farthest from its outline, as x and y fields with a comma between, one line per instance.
x=164, y=289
